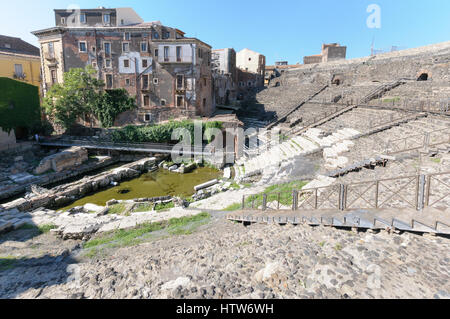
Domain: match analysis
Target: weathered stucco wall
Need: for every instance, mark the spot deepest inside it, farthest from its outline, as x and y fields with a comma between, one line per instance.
x=7, y=140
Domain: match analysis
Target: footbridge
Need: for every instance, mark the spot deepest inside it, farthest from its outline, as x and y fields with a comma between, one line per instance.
x=126, y=147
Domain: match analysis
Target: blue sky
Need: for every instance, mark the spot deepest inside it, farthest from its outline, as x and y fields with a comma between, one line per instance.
x=280, y=29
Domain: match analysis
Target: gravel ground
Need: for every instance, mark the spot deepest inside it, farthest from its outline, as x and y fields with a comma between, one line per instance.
x=228, y=260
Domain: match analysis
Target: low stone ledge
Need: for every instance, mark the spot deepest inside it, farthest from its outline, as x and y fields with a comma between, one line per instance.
x=72, y=191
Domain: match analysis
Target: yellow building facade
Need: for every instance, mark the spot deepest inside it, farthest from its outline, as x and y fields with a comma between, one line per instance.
x=20, y=61
x=21, y=67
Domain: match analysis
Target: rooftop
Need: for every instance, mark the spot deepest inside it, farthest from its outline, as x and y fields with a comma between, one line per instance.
x=18, y=46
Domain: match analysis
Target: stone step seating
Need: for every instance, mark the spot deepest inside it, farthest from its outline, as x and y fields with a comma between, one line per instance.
x=360, y=119
x=370, y=147
x=310, y=142
x=420, y=91
x=348, y=93
x=280, y=99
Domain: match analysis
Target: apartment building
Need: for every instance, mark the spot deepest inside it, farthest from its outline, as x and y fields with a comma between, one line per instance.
x=225, y=76
x=19, y=60
x=251, y=72
x=168, y=73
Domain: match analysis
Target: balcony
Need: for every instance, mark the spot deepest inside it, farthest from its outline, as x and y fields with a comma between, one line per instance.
x=174, y=59
x=49, y=57
x=19, y=76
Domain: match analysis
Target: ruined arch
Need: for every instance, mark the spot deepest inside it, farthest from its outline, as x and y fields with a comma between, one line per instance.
x=337, y=79
x=423, y=77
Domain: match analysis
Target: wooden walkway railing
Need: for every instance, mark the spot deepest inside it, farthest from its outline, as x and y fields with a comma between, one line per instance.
x=415, y=191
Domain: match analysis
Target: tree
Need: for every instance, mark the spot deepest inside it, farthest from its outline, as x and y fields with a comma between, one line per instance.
x=82, y=93
x=79, y=95
x=110, y=104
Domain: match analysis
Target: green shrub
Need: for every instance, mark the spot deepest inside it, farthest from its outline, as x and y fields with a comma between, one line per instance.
x=161, y=133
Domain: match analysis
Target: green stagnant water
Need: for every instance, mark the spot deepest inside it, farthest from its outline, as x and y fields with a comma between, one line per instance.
x=155, y=184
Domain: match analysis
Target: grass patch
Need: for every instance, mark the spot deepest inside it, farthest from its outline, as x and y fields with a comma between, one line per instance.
x=117, y=209
x=7, y=263
x=135, y=236
x=284, y=191
x=233, y=207
x=164, y=206
x=187, y=225
x=338, y=247
x=141, y=208
x=392, y=100
x=436, y=160
x=44, y=229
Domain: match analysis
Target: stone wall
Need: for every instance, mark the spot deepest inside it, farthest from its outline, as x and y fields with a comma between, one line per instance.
x=71, y=157
x=432, y=59
x=62, y=195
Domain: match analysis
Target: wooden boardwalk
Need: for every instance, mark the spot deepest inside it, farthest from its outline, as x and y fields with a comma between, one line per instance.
x=429, y=220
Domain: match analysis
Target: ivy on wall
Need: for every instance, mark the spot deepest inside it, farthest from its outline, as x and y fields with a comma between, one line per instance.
x=19, y=105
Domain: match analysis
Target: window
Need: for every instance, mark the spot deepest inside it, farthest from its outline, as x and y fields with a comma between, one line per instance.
x=163, y=102
x=144, y=47
x=180, y=100
x=156, y=52
x=82, y=18
x=147, y=117
x=106, y=18
x=144, y=63
x=94, y=65
x=180, y=82
x=156, y=35
x=126, y=36
x=18, y=69
x=107, y=48
x=109, y=81
x=145, y=81
x=146, y=100
x=126, y=63
x=54, y=76
x=122, y=21
x=51, y=49
x=108, y=63
x=178, y=54
x=200, y=53
x=127, y=82
x=166, y=35
x=125, y=47
x=63, y=21
x=205, y=81
x=155, y=81
x=166, y=54
x=83, y=46
x=93, y=49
